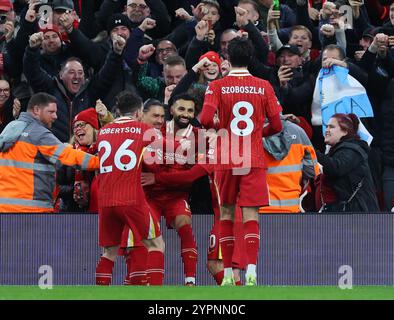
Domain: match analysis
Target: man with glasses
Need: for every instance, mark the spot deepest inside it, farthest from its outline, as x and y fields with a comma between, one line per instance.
x=138, y=10
x=164, y=49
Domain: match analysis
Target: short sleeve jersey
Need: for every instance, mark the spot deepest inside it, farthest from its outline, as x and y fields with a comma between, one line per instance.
x=174, y=160
x=242, y=103
x=121, y=145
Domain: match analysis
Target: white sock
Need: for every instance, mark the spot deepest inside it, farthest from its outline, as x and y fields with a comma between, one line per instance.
x=190, y=279
x=228, y=272
x=251, y=269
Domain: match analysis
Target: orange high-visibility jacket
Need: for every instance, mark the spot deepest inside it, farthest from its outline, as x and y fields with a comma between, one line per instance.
x=289, y=158
x=27, y=165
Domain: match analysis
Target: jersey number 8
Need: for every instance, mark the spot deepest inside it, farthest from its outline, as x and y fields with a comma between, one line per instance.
x=121, y=152
x=234, y=125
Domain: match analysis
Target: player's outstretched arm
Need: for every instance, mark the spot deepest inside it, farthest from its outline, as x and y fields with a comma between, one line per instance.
x=274, y=126
x=171, y=179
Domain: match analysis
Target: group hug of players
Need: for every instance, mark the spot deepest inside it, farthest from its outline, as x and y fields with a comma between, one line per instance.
x=129, y=212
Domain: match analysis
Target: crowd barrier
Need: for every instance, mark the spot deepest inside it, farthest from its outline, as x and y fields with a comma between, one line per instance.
x=305, y=249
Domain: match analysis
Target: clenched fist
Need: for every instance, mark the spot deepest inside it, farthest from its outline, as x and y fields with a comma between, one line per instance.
x=118, y=44
x=36, y=39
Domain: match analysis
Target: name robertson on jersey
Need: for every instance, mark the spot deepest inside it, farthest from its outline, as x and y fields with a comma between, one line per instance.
x=242, y=89
x=120, y=130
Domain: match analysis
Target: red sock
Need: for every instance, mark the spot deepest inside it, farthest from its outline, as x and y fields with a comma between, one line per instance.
x=136, y=265
x=104, y=272
x=155, y=268
x=252, y=241
x=238, y=283
x=219, y=277
x=126, y=281
x=227, y=242
x=188, y=250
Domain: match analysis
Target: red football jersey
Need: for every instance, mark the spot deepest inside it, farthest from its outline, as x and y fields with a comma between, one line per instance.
x=174, y=160
x=121, y=145
x=242, y=103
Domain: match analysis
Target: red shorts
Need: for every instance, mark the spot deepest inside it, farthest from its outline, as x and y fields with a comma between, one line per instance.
x=239, y=253
x=128, y=241
x=170, y=207
x=249, y=190
x=112, y=222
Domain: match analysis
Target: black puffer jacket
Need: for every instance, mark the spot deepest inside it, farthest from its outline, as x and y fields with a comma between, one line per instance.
x=6, y=113
x=345, y=166
x=387, y=125
x=68, y=105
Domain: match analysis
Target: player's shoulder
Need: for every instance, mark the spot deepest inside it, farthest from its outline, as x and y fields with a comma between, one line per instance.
x=221, y=81
x=126, y=125
x=195, y=128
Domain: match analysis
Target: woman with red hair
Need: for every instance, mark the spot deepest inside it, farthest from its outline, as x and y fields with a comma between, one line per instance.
x=345, y=167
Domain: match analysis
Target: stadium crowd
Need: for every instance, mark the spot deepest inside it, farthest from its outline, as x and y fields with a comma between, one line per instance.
x=330, y=65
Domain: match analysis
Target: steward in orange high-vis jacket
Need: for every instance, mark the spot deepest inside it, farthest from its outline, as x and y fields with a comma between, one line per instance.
x=290, y=159
x=29, y=153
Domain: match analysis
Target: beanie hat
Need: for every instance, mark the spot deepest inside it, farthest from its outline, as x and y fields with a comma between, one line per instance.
x=6, y=5
x=212, y=56
x=89, y=116
x=117, y=19
x=51, y=27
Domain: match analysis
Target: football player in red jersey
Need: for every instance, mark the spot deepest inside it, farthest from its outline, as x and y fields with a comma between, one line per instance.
x=122, y=200
x=173, y=203
x=135, y=253
x=242, y=102
x=214, y=257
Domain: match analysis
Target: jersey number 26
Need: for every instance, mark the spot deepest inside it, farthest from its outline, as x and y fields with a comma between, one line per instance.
x=121, y=152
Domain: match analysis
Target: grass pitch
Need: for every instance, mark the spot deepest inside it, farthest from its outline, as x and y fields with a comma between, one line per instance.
x=196, y=293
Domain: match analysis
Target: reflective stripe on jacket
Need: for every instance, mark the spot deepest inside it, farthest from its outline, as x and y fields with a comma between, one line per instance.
x=27, y=169
x=284, y=175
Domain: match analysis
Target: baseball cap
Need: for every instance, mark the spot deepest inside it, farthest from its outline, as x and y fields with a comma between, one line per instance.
x=6, y=5
x=369, y=33
x=291, y=47
x=117, y=19
x=212, y=56
x=89, y=116
x=63, y=5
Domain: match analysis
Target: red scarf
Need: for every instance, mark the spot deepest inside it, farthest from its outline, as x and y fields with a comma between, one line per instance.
x=92, y=149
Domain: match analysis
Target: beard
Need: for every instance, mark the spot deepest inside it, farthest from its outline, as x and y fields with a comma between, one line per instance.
x=137, y=17
x=180, y=124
